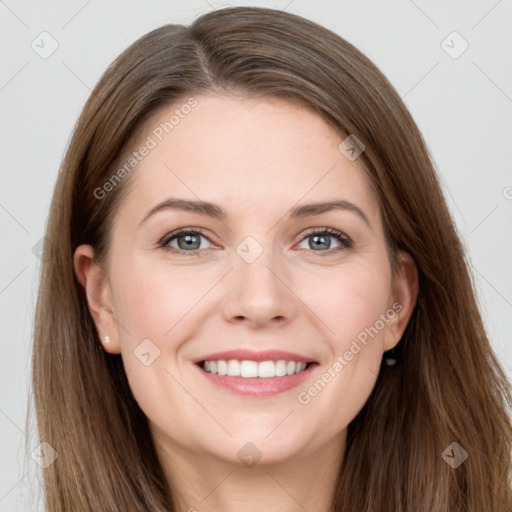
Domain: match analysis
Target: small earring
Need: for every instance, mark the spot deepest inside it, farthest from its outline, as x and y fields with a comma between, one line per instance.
x=390, y=357
x=107, y=339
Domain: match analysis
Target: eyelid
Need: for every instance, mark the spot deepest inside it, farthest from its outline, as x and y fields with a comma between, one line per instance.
x=345, y=241
x=331, y=231
x=183, y=231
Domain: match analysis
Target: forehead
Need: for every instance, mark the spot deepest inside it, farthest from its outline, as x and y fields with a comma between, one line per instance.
x=245, y=154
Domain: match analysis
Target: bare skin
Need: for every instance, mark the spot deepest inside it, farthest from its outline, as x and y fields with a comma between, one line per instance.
x=256, y=160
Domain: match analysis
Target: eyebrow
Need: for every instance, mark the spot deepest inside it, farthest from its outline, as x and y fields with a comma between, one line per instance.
x=216, y=212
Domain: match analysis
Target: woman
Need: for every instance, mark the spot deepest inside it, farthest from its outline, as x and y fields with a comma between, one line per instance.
x=319, y=349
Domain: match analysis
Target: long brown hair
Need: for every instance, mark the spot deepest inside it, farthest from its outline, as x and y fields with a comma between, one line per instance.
x=447, y=385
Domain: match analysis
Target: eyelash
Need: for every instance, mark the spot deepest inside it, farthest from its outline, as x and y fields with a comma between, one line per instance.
x=345, y=241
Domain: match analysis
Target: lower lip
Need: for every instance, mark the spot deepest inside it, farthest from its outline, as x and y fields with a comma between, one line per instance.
x=256, y=386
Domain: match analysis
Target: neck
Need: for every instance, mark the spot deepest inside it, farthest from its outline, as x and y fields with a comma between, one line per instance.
x=201, y=482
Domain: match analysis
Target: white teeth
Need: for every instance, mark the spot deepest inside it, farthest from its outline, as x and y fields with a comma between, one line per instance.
x=266, y=369
x=248, y=369
x=222, y=367
x=280, y=368
x=233, y=368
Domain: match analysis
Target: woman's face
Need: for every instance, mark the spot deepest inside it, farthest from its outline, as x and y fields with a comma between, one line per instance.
x=256, y=281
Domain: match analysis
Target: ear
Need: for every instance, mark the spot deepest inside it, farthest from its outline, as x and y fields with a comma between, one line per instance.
x=96, y=285
x=404, y=292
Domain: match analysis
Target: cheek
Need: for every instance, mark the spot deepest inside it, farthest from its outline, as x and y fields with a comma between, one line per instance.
x=151, y=301
x=155, y=303
x=348, y=301
x=352, y=309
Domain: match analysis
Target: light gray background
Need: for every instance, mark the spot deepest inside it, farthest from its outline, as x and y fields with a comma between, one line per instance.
x=462, y=105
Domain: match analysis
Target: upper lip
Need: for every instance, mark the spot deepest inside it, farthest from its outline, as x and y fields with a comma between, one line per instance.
x=251, y=355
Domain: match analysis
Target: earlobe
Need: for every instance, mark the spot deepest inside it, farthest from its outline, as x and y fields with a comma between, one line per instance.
x=95, y=283
x=404, y=295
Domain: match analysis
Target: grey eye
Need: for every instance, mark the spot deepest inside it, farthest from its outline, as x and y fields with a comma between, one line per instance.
x=319, y=241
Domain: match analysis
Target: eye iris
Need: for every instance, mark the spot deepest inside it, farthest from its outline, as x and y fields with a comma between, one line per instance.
x=189, y=241
x=324, y=245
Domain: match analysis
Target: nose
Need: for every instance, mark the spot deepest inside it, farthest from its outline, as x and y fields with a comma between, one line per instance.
x=259, y=293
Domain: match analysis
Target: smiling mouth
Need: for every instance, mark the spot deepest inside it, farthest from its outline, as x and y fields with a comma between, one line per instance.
x=251, y=369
